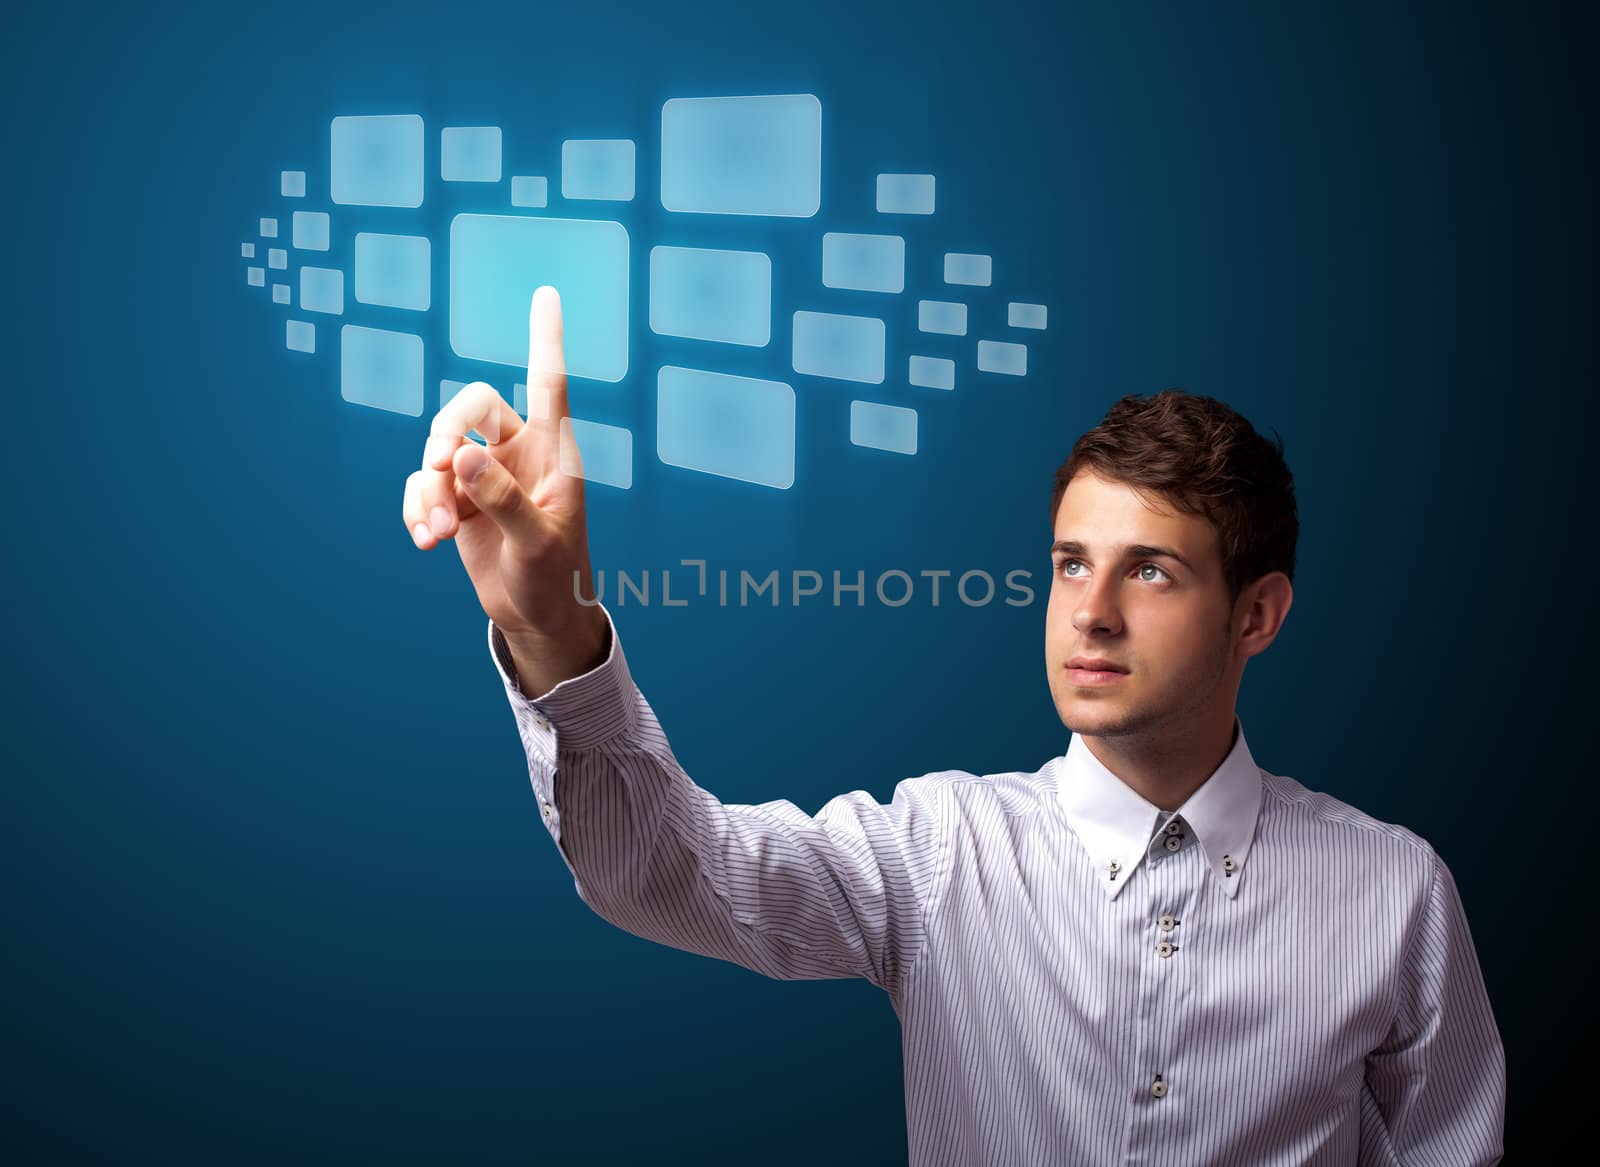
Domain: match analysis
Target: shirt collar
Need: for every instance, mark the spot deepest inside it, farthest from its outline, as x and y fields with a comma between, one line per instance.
x=1118, y=826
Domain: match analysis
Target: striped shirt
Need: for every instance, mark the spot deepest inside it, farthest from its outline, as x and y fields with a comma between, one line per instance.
x=1264, y=976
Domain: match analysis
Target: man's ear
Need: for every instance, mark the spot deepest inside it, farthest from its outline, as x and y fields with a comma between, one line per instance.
x=1263, y=607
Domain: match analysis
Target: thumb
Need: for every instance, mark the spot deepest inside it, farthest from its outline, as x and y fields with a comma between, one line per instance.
x=495, y=491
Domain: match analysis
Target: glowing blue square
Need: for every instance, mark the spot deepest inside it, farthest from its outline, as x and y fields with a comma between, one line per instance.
x=905, y=194
x=711, y=295
x=280, y=293
x=757, y=155
x=600, y=168
x=380, y=368
x=1026, y=315
x=311, y=230
x=596, y=453
x=496, y=261
x=292, y=184
x=942, y=316
x=999, y=356
x=973, y=270
x=377, y=161
x=883, y=427
x=277, y=258
x=470, y=154
x=247, y=250
x=300, y=336
x=322, y=290
x=864, y=263
x=394, y=271
x=846, y=348
x=269, y=228
x=734, y=427
x=529, y=190
x=933, y=372
x=256, y=277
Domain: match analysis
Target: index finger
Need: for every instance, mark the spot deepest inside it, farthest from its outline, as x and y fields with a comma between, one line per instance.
x=547, y=363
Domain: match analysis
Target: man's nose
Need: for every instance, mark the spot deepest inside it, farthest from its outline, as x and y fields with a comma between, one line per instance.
x=1096, y=611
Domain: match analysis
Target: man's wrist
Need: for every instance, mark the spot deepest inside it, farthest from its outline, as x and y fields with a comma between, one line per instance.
x=542, y=663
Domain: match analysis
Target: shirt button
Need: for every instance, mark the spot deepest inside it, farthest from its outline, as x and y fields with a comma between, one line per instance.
x=1174, y=826
x=1173, y=842
x=545, y=806
x=540, y=721
x=1165, y=949
x=1158, y=1087
x=1167, y=922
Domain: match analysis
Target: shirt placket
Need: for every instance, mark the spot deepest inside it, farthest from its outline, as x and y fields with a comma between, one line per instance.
x=1165, y=893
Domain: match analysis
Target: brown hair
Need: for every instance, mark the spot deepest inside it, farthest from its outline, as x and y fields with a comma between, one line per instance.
x=1203, y=458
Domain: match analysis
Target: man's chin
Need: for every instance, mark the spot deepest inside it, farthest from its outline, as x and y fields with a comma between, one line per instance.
x=1097, y=715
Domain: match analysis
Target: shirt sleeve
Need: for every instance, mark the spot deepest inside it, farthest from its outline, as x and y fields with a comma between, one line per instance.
x=791, y=896
x=1435, y=1089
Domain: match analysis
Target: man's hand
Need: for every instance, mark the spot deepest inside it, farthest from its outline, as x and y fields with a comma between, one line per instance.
x=517, y=518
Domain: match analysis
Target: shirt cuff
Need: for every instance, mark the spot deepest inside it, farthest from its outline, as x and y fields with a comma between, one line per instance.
x=581, y=712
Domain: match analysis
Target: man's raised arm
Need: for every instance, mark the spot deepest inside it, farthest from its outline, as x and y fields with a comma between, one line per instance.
x=845, y=893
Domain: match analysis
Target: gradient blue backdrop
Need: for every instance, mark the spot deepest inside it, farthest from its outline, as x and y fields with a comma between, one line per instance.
x=275, y=884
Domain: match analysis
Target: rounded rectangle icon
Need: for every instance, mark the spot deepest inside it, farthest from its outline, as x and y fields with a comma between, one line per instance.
x=496, y=262
x=961, y=267
x=376, y=161
x=469, y=154
x=1027, y=315
x=883, y=427
x=394, y=271
x=733, y=427
x=932, y=372
x=1002, y=356
x=942, y=316
x=863, y=263
x=598, y=168
x=844, y=348
x=705, y=294
x=905, y=194
x=380, y=368
x=757, y=155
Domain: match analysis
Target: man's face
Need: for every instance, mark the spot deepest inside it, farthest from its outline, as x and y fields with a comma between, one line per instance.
x=1166, y=622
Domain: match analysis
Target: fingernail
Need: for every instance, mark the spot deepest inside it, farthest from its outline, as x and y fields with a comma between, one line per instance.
x=473, y=462
x=439, y=520
x=420, y=533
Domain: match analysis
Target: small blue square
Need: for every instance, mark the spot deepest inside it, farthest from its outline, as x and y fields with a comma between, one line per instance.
x=300, y=336
x=256, y=277
x=380, y=368
x=247, y=250
x=322, y=290
x=311, y=230
x=280, y=293
x=528, y=190
x=293, y=184
x=269, y=228
x=394, y=271
x=277, y=258
x=597, y=168
x=377, y=161
x=470, y=154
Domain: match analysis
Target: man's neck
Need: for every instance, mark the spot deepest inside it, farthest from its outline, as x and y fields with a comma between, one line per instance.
x=1167, y=772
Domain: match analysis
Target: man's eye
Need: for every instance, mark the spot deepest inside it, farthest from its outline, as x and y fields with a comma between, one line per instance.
x=1154, y=568
x=1067, y=563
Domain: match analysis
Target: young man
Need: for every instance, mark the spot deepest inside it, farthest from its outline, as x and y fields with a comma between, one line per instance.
x=1150, y=949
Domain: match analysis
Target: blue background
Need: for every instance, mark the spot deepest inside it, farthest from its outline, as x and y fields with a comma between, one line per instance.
x=275, y=881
